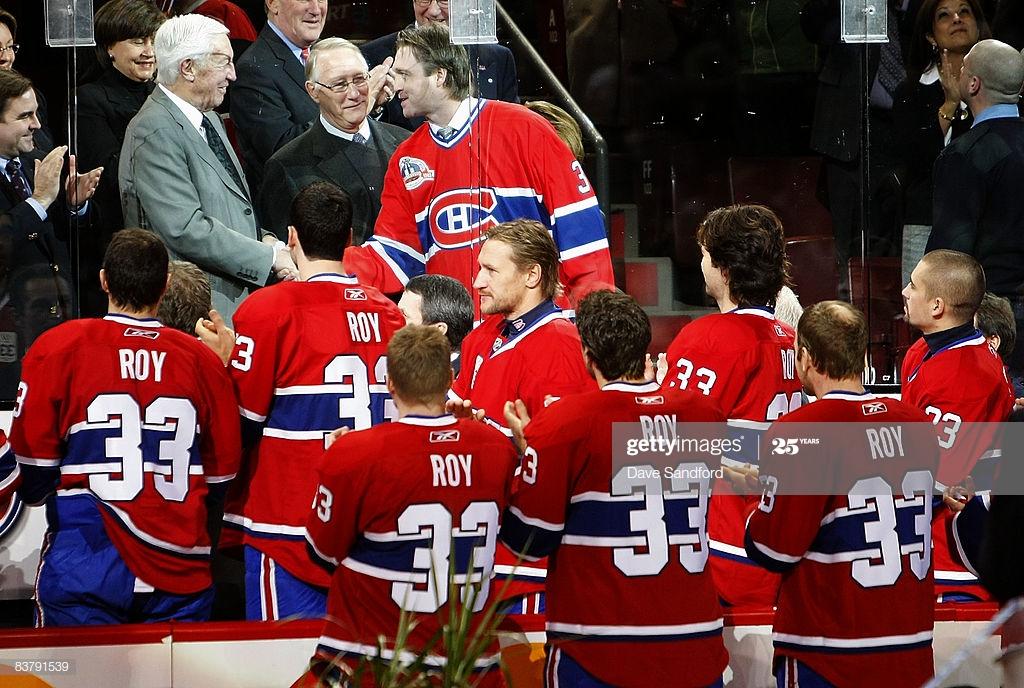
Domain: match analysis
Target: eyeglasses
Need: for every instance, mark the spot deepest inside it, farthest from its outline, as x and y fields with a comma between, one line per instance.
x=443, y=4
x=222, y=61
x=342, y=86
x=13, y=47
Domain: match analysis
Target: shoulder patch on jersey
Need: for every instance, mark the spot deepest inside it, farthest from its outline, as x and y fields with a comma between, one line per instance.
x=444, y=436
x=779, y=331
x=414, y=172
x=146, y=334
x=873, y=408
x=650, y=401
x=355, y=295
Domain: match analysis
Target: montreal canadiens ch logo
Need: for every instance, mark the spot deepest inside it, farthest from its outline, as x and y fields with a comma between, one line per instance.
x=460, y=217
x=414, y=172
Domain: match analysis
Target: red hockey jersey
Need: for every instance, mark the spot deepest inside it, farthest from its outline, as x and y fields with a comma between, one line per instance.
x=309, y=358
x=441, y=196
x=847, y=523
x=935, y=383
x=399, y=525
x=744, y=360
x=9, y=473
x=137, y=418
x=530, y=358
x=629, y=548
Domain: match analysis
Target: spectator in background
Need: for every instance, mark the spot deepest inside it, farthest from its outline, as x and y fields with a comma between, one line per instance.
x=343, y=146
x=35, y=214
x=928, y=111
x=565, y=126
x=179, y=176
x=995, y=320
x=269, y=103
x=493, y=65
x=839, y=130
x=8, y=51
x=979, y=177
x=188, y=297
x=443, y=302
x=124, y=46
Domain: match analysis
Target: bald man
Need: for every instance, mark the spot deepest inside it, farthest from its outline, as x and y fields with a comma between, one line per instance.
x=979, y=177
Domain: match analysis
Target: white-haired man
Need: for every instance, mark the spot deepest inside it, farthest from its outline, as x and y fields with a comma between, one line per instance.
x=344, y=146
x=180, y=178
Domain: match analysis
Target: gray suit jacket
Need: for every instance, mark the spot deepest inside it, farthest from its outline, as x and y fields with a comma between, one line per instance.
x=172, y=183
x=319, y=156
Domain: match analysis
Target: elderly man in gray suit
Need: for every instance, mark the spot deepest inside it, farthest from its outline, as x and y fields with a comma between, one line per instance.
x=180, y=178
x=343, y=146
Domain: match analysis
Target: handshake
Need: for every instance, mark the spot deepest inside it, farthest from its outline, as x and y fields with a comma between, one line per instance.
x=284, y=267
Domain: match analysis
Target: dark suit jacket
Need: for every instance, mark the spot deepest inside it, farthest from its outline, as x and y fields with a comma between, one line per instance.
x=320, y=156
x=842, y=83
x=34, y=269
x=269, y=103
x=495, y=74
x=919, y=141
x=105, y=107
x=977, y=208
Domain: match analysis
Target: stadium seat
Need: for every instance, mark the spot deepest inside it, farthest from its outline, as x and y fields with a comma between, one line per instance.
x=789, y=186
x=876, y=289
x=814, y=274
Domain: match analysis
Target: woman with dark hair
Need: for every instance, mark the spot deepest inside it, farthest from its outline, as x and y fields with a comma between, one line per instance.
x=928, y=109
x=124, y=46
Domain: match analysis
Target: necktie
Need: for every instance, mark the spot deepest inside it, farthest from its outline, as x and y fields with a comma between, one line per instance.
x=220, y=152
x=358, y=138
x=18, y=180
x=304, y=54
x=890, y=64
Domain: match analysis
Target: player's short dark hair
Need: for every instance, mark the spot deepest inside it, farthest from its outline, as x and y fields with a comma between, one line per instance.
x=445, y=300
x=747, y=241
x=136, y=268
x=419, y=364
x=12, y=85
x=956, y=278
x=531, y=245
x=835, y=335
x=188, y=297
x=125, y=20
x=616, y=333
x=995, y=317
x=322, y=216
x=434, y=50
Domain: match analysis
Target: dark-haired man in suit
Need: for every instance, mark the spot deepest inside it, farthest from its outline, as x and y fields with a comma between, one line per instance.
x=343, y=146
x=494, y=67
x=34, y=219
